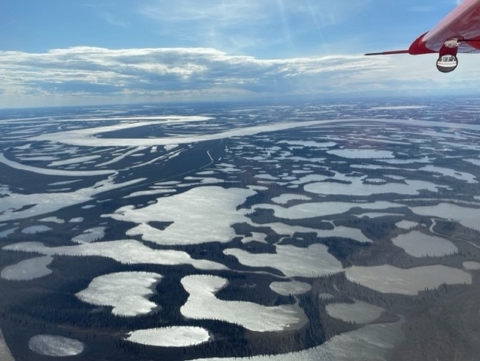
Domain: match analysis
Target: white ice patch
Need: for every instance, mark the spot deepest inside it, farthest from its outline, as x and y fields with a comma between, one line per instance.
x=285, y=198
x=255, y=237
x=471, y=265
x=308, y=143
x=423, y=160
x=73, y=160
x=340, y=231
x=27, y=270
x=90, y=235
x=406, y=224
x=170, y=336
x=320, y=178
x=200, y=215
x=35, y=229
x=362, y=153
x=124, y=251
x=266, y=177
x=418, y=244
x=357, y=187
x=202, y=304
x=325, y=296
x=377, y=215
x=389, y=279
x=126, y=292
x=469, y=178
x=42, y=203
x=64, y=183
x=170, y=147
x=290, y=288
x=55, y=346
x=322, y=209
x=472, y=161
x=358, y=312
x=55, y=172
x=52, y=220
x=314, y=261
x=400, y=107
x=153, y=192
x=375, y=180
x=468, y=217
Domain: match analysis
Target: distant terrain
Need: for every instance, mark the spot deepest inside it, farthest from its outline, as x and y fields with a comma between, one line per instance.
x=336, y=230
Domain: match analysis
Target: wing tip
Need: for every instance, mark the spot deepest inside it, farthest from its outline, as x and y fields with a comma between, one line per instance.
x=393, y=52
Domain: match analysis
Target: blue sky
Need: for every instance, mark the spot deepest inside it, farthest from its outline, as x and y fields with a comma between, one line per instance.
x=60, y=52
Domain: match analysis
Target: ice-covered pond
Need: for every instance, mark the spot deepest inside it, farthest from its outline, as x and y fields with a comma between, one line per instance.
x=199, y=215
x=358, y=312
x=359, y=188
x=170, y=336
x=406, y=224
x=290, y=288
x=389, y=279
x=314, y=261
x=124, y=251
x=35, y=229
x=467, y=216
x=202, y=304
x=418, y=244
x=126, y=292
x=471, y=265
x=55, y=346
x=90, y=235
x=29, y=269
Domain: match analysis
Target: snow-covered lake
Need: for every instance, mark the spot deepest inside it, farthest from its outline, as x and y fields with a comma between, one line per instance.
x=202, y=304
x=358, y=312
x=418, y=244
x=55, y=346
x=170, y=336
x=290, y=288
x=126, y=292
x=314, y=261
x=390, y=279
x=27, y=270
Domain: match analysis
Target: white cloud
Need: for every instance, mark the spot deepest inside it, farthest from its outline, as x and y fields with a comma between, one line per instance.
x=240, y=26
x=82, y=75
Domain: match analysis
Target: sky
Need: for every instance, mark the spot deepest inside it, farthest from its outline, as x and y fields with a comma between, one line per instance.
x=63, y=52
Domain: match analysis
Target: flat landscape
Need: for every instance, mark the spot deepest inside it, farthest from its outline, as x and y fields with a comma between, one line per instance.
x=304, y=231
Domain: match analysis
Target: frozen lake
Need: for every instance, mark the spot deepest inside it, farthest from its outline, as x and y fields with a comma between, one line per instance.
x=471, y=265
x=290, y=288
x=55, y=346
x=170, y=336
x=467, y=216
x=358, y=312
x=314, y=261
x=202, y=304
x=126, y=292
x=90, y=235
x=199, y=215
x=389, y=279
x=124, y=251
x=418, y=244
x=27, y=270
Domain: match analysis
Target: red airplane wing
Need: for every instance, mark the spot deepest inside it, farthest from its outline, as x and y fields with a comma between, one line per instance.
x=459, y=32
x=462, y=24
